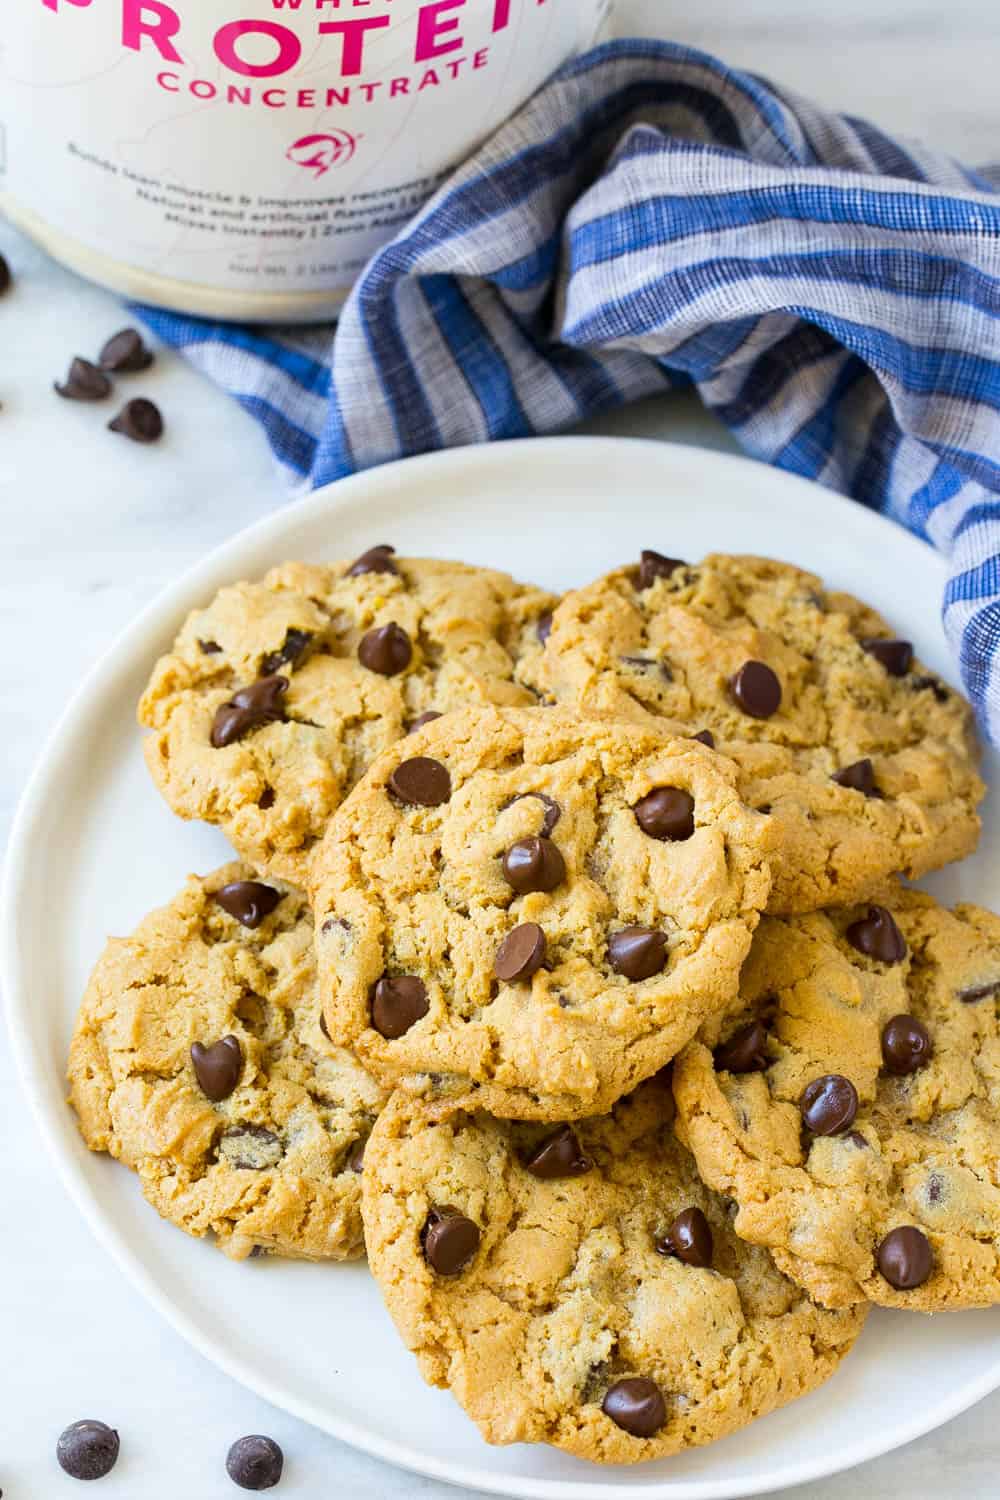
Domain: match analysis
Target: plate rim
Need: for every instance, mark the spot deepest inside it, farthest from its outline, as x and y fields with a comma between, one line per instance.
x=156, y=616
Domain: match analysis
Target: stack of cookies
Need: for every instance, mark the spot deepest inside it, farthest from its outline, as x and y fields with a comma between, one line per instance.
x=567, y=971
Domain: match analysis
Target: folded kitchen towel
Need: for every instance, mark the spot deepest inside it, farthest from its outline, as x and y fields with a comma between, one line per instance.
x=653, y=219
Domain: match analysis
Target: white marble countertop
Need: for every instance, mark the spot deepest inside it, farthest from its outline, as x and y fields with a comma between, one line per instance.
x=90, y=530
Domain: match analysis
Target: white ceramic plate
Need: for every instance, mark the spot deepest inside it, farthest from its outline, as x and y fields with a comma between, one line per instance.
x=94, y=848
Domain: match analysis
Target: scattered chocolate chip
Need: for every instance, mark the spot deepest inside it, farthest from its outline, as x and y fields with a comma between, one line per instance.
x=249, y=901
x=6, y=278
x=642, y=662
x=936, y=686
x=553, y=812
x=533, y=864
x=906, y=1045
x=218, y=1067
x=877, y=936
x=375, y=560
x=745, y=1051
x=356, y=1157
x=422, y=719
x=666, y=813
x=248, y=709
x=252, y=1148
x=756, y=690
x=255, y=1462
x=637, y=952
x=209, y=648
x=398, y=1002
x=979, y=992
x=544, y=627
x=689, y=1238
x=85, y=382
x=139, y=420
x=449, y=1240
x=323, y=1026
x=935, y=1188
x=386, y=650
x=705, y=737
x=87, y=1450
x=829, y=1104
x=636, y=1406
x=859, y=777
x=266, y=798
x=125, y=353
x=421, y=782
x=653, y=565
x=857, y=1139
x=895, y=656
x=294, y=644
x=905, y=1258
x=558, y=1155
x=521, y=953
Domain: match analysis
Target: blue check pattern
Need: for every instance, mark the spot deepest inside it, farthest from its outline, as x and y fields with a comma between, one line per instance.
x=653, y=220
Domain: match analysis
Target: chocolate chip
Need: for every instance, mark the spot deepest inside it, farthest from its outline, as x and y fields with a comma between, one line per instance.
x=449, y=1240
x=294, y=644
x=87, y=1450
x=521, y=953
x=653, y=565
x=544, y=627
x=829, y=1104
x=6, y=278
x=323, y=1026
x=249, y=901
x=85, y=382
x=756, y=690
x=375, y=560
x=139, y=420
x=558, y=1155
x=906, y=1045
x=248, y=709
x=255, y=1462
x=251, y=1148
x=689, y=1238
x=421, y=782
x=218, y=1067
x=877, y=936
x=533, y=864
x=922, y=684
x=905, y=1258
x=745, y=1051
x=636, y=1406
x=125, y=353
x=422, y=719
x=858, y=777
x=553, y=812
x=356, y=1157
x=642, y=662
x=398, y=1002
x=666, y=813
x=895, y=656
x=857, y=1139
x=705, y=737
x=266, y=798
x=637, y=952
x=935, y=1188
x=979, y=992
x=209, y=648
x=386, y=650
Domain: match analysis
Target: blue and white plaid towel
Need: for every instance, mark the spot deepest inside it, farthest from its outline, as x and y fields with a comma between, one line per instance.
x=653, y=219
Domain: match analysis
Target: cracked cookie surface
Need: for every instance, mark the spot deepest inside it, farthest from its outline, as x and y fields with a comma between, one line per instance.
x=492, y=912
x=361, y=656
x=273, y=1165
x=887, y=1189
x=867, y=763
x=545, y=1303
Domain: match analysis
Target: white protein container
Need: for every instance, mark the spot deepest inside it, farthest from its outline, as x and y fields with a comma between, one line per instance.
x=243, y=158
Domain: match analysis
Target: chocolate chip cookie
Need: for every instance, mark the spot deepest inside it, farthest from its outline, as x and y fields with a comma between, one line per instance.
x=865, y=762
x=276, y=698
x=851, y=1105
x=581, y=1287
x=200, y=1061
x=541, y=908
